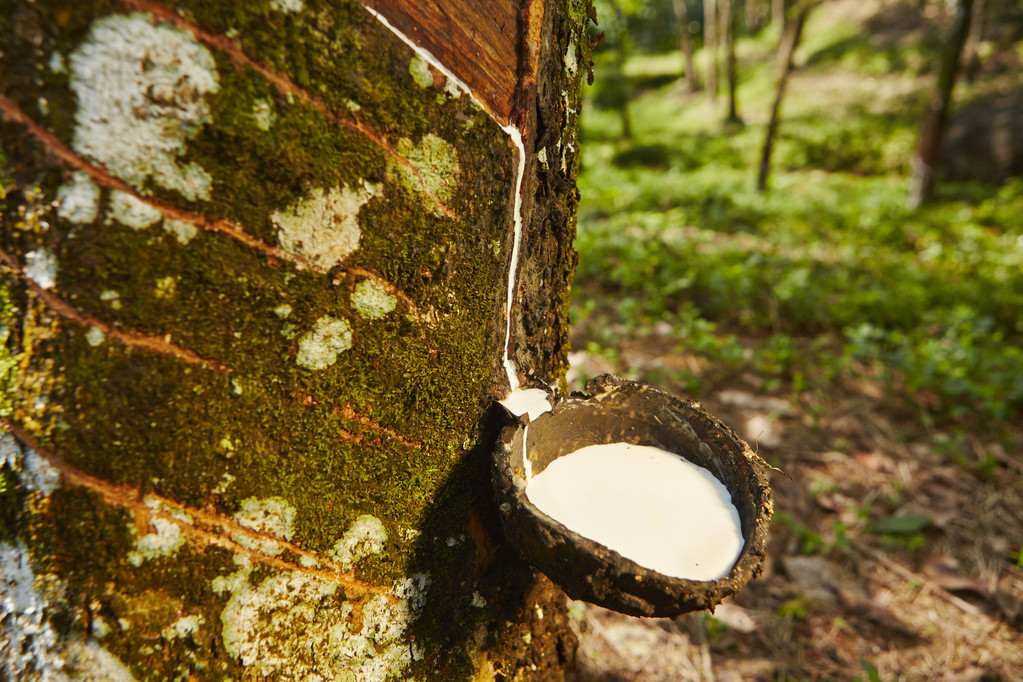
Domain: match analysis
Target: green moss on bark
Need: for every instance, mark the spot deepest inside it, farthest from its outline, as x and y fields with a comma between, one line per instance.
x=391, y=428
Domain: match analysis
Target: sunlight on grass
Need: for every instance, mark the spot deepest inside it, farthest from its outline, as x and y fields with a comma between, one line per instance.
x=672, y=230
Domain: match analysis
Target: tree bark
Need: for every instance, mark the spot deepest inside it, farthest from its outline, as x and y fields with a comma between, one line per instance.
x=971, y=58
x=256, y=270
x=754, y=17
x=935, y=121
x=789, y=43
x=685, y=42
x=710, y=46
x=731, y=21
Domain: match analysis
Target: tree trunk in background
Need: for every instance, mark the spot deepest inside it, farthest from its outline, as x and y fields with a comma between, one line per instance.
x=685, y=42
x=932, y=129
x=710, y=46
x=789, y=43
x=254, y=265
x=619, y=81
x=779, y=15
x=971, y=58
x=754, y=18
x=731, y=15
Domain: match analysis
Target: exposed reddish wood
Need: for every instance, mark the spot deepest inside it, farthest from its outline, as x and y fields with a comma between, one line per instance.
x=478, y=41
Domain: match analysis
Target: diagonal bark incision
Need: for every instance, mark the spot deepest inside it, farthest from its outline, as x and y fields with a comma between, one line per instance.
x=348, y=413
x=52, y=145
x=286, y=87
x=151, y=342
x=208, y=529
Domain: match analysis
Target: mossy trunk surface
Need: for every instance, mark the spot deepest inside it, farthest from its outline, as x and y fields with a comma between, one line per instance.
x=254, y=266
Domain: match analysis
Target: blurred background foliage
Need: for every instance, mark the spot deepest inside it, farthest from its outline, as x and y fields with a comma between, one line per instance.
x=827, y=277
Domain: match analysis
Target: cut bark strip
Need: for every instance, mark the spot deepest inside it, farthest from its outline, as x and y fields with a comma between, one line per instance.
x=285, y=86
x=150, y=342
x=207, y=530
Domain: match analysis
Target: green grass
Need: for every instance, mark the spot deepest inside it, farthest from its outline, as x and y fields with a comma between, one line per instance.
x=827, y=271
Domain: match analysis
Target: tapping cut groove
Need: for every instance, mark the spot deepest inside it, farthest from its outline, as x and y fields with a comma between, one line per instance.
x=58, y=150
x=151, y=342
x=209, y=529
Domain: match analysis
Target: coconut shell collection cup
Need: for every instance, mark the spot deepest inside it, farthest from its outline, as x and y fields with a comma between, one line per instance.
x=619, y=411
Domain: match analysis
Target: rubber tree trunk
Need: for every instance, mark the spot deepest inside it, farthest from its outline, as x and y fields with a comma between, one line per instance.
x=685, y=42
x=254, y=280
x=731, y=17
x=710, y=46
x=789, y=43
x=971, y=54
x=932, y=130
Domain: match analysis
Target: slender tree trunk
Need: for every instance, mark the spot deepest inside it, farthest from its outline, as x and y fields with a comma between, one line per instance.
x=256, y=275
x=932, y=129
x=730, y=10
x=685, y=42
x=710, y=46
x=779, y=15
x=971, y=58
x=789, y=43
x=754, y=17
x=621, y=85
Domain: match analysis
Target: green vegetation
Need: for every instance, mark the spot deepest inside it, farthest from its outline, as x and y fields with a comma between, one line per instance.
x=825, y=278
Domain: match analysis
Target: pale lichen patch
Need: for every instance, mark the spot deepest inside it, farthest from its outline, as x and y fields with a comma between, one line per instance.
x=132, y=212
x=319, y=348
x=571, y=60
x=30, y=646
x=112, y=298
x=296, y=625
x=435, y=160
x=287, y=6
x=283, y=310
x=78, y=200
x=140, y=91
x=183, y=628
x=365, y=538
x=56, y=63
x=371, y=300
x=263, y=114
x=183, y=231
x=35, y=472
x=94, y=336
x=323, y=228
x=420, y=70
x=165, y=540
x=89, y=662
x=41, y=267
x=272, y=515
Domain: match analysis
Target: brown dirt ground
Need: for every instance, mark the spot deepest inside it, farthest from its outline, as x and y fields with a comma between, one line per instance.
x=942, y=602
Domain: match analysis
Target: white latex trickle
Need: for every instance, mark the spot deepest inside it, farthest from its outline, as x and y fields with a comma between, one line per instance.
x=516, y=137
x=649, y=505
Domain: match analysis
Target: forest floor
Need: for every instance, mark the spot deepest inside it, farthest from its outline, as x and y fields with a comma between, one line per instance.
x=871, y=354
